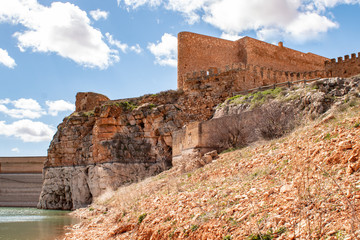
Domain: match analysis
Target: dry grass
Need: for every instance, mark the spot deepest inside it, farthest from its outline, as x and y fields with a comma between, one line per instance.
x=303, y=186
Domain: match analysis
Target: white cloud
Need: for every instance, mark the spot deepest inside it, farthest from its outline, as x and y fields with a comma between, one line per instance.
x=5, y=101
x=27, y=103
x=62, y=28
x=136, y=48
x=27, y=130
x=98, y=14
x=189, y=8
x=270, y=19
x=59, y=106
x=17, y=150
x=165, y=52
x=309, y=26
x=231, y=36
x=122, y=46
x=323, y=4
x=137, y=3
x=24, y=108
x=240, y=15
x=297, y=20
x=6, y=60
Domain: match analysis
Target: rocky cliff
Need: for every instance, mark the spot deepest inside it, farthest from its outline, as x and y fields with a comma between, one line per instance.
x=106, y=144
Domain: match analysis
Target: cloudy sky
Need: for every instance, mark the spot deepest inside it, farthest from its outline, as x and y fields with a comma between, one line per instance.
x=50, y=50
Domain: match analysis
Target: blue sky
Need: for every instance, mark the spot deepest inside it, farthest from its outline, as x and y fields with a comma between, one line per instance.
x=50, y=50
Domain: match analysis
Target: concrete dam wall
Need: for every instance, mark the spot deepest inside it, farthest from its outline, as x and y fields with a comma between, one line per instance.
x=20, y=181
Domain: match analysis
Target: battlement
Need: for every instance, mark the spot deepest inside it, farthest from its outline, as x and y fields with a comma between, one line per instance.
x=215, y=65
x=205, y=56
x=353, y=56
x=346, y=66
x=239, y=77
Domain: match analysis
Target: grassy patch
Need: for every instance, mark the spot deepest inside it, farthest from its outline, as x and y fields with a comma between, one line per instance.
x=127, y=106
x=142, y=217
x=194, y=227
x=228, y=150
x=256, y=98
x=268, y=235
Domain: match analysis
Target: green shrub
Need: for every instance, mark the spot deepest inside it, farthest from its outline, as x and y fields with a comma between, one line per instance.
x=194, y=227
x=228, y=150
x=260, y=237
x=142, y=217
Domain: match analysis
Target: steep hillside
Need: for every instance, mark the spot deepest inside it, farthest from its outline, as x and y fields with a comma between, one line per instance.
x=305, y=185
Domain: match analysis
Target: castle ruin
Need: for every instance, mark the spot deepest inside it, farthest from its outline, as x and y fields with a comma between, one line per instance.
x=214, y=65
x=108, y=143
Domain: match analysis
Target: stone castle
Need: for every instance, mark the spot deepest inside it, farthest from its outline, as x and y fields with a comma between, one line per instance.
x=108, y=143
x=216, y=65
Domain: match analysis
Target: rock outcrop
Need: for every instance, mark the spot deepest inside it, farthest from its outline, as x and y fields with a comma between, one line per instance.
x=111, y=143
x=106, y=144
x=316, y=98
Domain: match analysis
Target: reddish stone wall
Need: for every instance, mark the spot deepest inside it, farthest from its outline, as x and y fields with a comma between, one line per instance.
x=344, y=67
x=239, y=77
x=279, y=57
x=197, y=52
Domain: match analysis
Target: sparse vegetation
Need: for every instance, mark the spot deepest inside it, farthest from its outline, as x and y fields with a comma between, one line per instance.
x=127, y=106
x=194, y=227
x=142, y=217
x=256, y=98
x=302, y=186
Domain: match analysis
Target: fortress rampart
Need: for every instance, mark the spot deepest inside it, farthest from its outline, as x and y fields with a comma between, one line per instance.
x=344, y=67
x=278, y=57
x=197, y=53
x=239, y=77
x=217, y=66
x=106, y=144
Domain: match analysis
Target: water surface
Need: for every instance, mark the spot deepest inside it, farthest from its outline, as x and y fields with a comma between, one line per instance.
x=32, y=223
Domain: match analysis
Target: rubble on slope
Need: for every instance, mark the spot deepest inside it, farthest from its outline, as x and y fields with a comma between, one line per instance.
x=302, y=186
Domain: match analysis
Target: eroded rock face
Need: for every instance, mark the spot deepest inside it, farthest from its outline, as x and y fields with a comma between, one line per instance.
x=106, y=144
x=316, y=98
x=75, y=187
x=106, y=150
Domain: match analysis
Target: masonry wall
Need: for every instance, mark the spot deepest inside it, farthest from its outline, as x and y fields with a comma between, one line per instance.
x=279, y=57
x=197, y=52
x=239, y=77
x=344, y=67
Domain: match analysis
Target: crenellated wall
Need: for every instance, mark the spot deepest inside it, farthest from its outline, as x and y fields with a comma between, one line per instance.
x=344, y=67
x=238, y=77
x=198, y=52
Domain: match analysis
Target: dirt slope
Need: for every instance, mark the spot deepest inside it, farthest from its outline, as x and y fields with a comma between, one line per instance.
x=303, y=186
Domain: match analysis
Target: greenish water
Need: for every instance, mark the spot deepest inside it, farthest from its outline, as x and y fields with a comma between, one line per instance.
x=32, y=223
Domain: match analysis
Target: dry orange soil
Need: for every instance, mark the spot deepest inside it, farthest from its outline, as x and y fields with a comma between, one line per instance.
x=303, y=186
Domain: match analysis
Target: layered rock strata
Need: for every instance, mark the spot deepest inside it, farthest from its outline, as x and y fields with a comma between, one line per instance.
x=106, y=144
